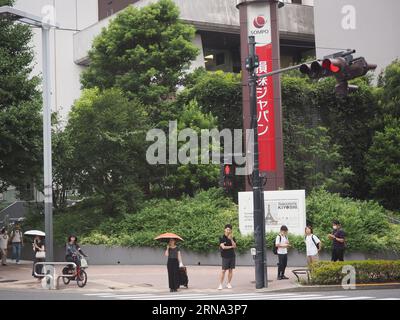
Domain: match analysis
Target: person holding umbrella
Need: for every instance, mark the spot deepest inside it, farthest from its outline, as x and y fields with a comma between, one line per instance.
x=40, y=255
x=174, y=259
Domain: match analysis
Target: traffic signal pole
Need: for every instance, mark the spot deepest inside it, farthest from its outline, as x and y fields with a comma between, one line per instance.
x=257, y=183
x=258, y=194
x=258, y=198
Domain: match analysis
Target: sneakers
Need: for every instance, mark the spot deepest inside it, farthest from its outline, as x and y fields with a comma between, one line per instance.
x=229, y=286
x=284, y=278
x=18, y=262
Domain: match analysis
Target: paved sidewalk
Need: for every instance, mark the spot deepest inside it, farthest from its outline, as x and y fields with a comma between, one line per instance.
x=145, y=279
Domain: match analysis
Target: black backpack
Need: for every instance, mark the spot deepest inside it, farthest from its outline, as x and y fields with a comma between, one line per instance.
x=274, y=247
x=312, y=238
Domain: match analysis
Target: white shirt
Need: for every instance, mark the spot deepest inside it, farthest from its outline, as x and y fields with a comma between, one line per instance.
x=283, y=240
x=311, y=248
x=3, y=241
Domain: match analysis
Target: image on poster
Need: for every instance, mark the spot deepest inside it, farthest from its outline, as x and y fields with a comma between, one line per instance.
x=281, y=208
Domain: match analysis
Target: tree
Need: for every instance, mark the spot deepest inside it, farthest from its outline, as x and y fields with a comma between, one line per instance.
x=383, y=165
x=389, y=93
x=172, y=180
x=352, y=122
x=107, y=132
x=63, y=167
x=144, y=52
x=312, y=159
x=20, y=106
x=217, y=92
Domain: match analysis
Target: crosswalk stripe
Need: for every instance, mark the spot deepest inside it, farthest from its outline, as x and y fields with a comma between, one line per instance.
x=126, y=295
x=355, y=298
x=232, y=296
x=199, y=295
x=296, y=298
x=315, y=297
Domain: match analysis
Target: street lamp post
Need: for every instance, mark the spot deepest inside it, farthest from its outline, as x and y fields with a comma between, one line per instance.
x=28, y=18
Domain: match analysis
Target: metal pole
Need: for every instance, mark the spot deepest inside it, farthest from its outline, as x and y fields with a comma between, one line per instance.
x=47, y=170
x=258, y=197
x=272, y=73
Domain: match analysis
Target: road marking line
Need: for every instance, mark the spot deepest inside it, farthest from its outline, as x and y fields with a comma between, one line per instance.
x=317, y=298
x=355, y=298
x=227, y=297
x=126, y=295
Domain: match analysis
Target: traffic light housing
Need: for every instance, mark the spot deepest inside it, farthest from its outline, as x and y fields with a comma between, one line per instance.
x=252, y=63
x=342, y=66
x=345, y=70
x=227, y=181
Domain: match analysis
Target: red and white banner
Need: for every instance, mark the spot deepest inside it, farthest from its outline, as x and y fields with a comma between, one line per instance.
x=259, y=26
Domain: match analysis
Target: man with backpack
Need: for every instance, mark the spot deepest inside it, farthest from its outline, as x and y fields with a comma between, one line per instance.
x=281, y=246
x=313, y=245
x=338, y=241
x=17, y=241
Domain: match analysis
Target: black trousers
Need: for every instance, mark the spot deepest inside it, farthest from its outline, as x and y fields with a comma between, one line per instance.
x=338, y=254
x=173, y=273
x=282, y=264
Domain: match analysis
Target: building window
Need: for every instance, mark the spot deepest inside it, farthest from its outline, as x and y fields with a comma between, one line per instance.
x=220, y=59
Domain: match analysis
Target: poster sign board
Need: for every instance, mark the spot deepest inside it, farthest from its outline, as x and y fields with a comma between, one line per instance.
x=259, y=25
x=281, y=208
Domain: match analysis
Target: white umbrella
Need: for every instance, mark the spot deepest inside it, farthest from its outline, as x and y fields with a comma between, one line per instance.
x=34, y=233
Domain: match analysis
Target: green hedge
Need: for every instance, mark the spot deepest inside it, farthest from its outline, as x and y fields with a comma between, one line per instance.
x=367, y=271
x=200, y=221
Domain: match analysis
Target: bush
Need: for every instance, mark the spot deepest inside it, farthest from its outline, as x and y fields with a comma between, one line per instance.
x=199, y=220
x=365, y=222
x=369, y=271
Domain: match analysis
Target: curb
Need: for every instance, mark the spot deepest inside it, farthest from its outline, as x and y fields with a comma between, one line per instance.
x=302, y=288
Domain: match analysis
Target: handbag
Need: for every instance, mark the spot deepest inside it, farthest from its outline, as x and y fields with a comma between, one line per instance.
x=84, y=263
x=40, y=255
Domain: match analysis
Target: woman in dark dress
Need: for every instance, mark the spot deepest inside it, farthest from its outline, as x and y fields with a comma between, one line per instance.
x=38, y=246
x=174, y=261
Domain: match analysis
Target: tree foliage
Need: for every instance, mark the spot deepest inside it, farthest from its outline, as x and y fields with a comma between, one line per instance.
x=107, y=132
x=384, y=166
x=143, y=51
x=219, y=93
x=20, y=105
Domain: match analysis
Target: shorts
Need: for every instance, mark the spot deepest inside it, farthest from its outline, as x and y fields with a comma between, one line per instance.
x=311, y=259
x=228, y=263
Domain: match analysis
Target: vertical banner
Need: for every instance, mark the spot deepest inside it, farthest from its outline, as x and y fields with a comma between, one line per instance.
x=259, y=26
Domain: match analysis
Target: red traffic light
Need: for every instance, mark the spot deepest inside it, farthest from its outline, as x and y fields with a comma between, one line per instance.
x=329, y=64
x=227, y=169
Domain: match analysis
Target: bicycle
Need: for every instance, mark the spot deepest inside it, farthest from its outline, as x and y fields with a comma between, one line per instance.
x=78, y=272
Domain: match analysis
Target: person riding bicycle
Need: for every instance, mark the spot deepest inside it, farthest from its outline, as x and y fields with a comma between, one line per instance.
x=73, y=251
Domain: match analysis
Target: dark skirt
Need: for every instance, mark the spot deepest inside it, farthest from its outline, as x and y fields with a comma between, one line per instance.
x=173, y=273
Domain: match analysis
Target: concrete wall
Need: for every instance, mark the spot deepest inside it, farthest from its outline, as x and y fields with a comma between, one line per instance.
x=369, y=26
x=102, y=255
x=295, y=21
x=74, y=15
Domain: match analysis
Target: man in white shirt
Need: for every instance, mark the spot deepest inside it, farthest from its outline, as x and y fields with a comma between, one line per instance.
x=282, y=243
x=313, y=245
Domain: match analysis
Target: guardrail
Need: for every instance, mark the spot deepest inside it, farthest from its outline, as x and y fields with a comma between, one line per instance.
x=50, y=274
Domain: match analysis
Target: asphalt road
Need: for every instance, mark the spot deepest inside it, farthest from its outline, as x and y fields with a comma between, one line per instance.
x=382, y=294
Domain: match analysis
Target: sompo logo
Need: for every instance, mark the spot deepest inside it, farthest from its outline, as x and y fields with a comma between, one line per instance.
x=259, y=22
